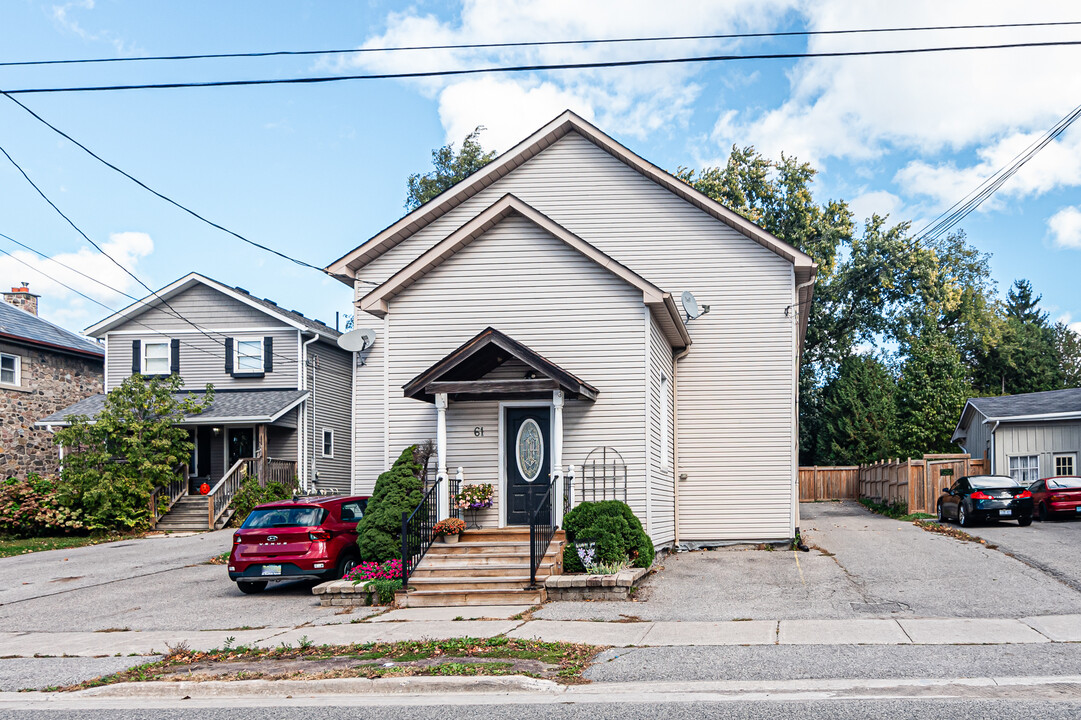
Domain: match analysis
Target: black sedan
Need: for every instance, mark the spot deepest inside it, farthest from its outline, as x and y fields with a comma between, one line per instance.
x=985, y=497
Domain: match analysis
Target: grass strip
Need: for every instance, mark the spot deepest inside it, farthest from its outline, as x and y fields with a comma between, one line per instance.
x=10, y=547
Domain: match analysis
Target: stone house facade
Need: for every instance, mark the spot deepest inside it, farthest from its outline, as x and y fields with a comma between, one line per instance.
x=43, y=368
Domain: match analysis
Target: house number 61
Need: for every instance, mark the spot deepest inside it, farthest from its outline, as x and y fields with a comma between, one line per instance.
x=478, y=431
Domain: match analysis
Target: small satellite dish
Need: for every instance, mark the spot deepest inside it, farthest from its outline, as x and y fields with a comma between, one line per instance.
x=690, y=305
x=357, y=340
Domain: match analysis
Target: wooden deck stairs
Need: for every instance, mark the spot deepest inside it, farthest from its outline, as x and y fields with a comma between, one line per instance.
x=485, y=567
x=190, y=514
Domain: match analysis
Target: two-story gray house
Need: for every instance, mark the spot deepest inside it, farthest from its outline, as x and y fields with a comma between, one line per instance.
x=281, y=383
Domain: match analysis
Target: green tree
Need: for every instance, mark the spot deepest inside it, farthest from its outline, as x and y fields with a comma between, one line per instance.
x=931, y=391
x=112, y=462
x=1068, y=350
x=859, y=413
x=398, y=490
x=450, y=168
x=1023, y=357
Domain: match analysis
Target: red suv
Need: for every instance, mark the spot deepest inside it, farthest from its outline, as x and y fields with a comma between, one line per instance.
x=306, y=537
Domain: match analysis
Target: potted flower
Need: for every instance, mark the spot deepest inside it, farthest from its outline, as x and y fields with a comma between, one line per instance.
x=475, y=497
x=449, y=529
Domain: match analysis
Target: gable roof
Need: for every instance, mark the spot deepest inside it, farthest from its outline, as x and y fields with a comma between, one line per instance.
x=568, y=122
x=475, y=358
x=1027, y=407
x=660, y=302
x=289, y=317
x=18, y=325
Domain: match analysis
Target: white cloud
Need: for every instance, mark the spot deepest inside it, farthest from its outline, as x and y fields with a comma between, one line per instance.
x=860, y=107
x=1065, y=226
x=64, y=307
x=634, y=101
x=62, y=14
x=876, y=201
x=1065, y=319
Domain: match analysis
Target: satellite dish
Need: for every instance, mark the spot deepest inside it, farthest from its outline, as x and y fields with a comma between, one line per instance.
x=690, y=305
x=357, y=340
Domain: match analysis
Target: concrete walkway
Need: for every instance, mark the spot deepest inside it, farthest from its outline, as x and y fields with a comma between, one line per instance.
x=886, y=631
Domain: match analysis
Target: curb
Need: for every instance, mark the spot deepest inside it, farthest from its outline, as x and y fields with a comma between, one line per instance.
x=422, y=685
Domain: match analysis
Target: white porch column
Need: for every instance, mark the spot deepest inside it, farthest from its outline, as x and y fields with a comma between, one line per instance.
x=557, y=456
x=441, y=455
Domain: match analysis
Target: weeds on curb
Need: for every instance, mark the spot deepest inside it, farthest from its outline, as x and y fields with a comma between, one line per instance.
x=935, y=527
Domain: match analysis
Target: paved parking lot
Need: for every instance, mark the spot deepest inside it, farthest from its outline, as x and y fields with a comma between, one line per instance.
x=862, y=565
x=155, y=583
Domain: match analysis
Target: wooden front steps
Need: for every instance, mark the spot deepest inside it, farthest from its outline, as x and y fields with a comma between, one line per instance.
x=190, y=514
x=485, y=567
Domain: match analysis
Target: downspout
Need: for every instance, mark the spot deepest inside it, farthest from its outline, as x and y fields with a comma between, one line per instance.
x=798, y=539
x=310, y=402
x=675, y=443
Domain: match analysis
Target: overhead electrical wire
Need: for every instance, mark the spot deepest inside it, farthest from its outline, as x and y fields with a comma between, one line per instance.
x=957, y=212
x=537, y=43
x=69, y=267
x=538, y=68
x=101, y=250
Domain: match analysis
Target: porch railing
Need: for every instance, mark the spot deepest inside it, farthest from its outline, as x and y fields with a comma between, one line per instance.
x=542, y=528
x=219, y=497
x=280, y=471
x=418, y=531
x=176, y=489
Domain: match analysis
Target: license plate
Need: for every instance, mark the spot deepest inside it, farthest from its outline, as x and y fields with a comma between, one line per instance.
x=1003, y=513
x=1078, y=508
x=272, y=570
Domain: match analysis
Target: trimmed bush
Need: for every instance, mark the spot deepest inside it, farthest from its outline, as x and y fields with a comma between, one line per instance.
x=251, y=494
x=615, y=529
x=398, y=490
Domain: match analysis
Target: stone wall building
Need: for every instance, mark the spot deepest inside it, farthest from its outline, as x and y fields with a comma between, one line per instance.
x=43, y=368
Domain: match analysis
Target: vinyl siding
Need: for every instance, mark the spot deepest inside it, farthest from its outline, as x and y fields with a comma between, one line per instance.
x=662, y=517
x=737, y=386
x=513, y=278
x=1043, y=439
x=202, y=358
x=282, y=441
x=370, y=408
x=332, y=407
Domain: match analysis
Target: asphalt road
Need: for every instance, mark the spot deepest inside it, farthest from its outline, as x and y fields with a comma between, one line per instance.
x=1050, y=546
x=743, y=709
x=861, y=565
x=154, y=583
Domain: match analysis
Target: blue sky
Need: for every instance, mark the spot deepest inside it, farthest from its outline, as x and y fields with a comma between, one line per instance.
x=316, y=170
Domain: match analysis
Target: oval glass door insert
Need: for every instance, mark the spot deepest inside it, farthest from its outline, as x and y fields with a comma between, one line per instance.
x=529, y=450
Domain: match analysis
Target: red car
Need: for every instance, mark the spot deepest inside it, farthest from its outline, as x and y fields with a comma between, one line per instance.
x=1056, y=496
x=306, y=537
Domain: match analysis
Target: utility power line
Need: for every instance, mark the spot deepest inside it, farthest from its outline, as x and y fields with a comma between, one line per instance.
x=537, y=43
x=538, y=68
x=957, y=212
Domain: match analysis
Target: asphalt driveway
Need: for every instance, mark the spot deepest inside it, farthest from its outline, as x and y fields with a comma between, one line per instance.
x=1051, y=546
x=154, y=583
x=861, y=565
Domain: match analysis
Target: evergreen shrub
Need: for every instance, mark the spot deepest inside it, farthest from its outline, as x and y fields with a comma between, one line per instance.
x=614, y=528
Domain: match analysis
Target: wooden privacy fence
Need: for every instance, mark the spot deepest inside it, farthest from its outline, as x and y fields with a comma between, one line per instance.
x=916, y=483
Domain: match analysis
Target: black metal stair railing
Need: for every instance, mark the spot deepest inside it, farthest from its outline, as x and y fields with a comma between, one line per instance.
x=418, y=531
x=542, y=528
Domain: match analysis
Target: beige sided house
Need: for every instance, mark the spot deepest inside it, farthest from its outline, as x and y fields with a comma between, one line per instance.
x=281, y=405
x=532, y=319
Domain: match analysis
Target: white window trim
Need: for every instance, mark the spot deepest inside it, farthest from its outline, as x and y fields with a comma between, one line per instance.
x=18, y=370
x=1071, y=455
x=237, y=370
x=168, y=354
x=1009, y=470
x=323, y=448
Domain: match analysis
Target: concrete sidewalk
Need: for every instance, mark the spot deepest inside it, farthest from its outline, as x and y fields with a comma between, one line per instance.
x=886, y=631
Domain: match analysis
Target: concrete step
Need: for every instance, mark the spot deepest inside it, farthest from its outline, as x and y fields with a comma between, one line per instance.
x=451, y=598
x=471, y=582
x=471, y=570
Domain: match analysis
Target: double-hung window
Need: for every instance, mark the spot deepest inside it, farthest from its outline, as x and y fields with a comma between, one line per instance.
x=156, y=358
x=249, y=356
x=10, y=369
x=1025, y=469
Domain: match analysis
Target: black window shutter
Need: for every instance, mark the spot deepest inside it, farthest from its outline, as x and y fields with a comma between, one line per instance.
x=229, y=355
x=136, y=357
x=268, y=354
x=174, y=356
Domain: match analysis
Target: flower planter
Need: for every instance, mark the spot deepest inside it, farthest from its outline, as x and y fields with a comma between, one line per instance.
x=450, y=539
